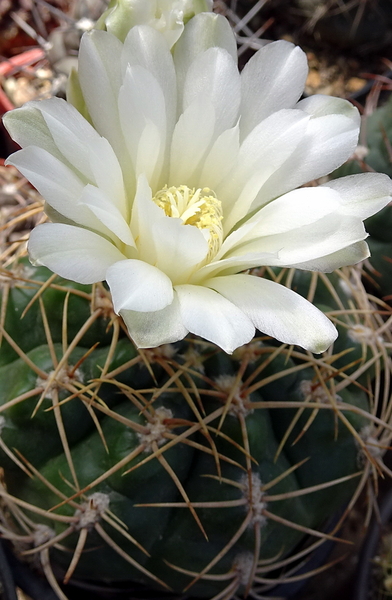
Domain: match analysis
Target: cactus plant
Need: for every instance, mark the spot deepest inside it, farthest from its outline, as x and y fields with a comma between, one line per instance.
x=181, y=467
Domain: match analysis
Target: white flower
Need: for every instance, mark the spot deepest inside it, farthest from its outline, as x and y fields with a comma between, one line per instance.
x=187, y=179
x=167, y=16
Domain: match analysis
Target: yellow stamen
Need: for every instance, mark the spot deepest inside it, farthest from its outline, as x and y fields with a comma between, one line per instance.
x=200, y=208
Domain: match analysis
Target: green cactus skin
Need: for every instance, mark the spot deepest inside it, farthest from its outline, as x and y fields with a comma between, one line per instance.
x=381, y=268
x=183, y=467
x=21, y=290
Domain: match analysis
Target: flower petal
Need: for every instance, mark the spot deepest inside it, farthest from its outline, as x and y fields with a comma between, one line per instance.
x=313, y=222
x=232, y=265
x=107, y=213
x=147, y=48
x=100, y=79
x=62, y=189
x=321, y=105
x=149, y=330
x=191, y=142
x=341, y=258
x=294, y=209
x=57, y=183
x=277, y=311
x=321, y=238
x=364, y=194
x=72, y=252
x=143, y=120
x=109, y=176
x=180, y=248
x=214, y=75
x=145, y=213
x=205, y=30
x=71, y=137
x=27, y=127
x=72, y=134
x=330, y=139
x=291, y=211
x=138, y=286
x=212, y=317
x=274, y=78
x=149, y=156
x=221, y=159
x=262, y=153
x=316, y=246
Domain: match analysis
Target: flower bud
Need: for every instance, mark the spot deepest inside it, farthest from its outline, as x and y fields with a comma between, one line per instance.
x=167, y=16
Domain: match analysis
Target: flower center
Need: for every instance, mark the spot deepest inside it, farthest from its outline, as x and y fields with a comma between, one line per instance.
x=200, y=208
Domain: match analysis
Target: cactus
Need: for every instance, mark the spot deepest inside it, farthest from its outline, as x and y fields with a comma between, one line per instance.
x=181, y=467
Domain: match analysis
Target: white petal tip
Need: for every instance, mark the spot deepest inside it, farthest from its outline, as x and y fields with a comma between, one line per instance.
x=322, y=345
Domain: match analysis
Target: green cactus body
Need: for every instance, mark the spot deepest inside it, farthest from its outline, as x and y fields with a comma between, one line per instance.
x=80, y=301
x=183, y=468
x=381, y=268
